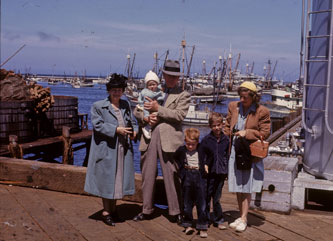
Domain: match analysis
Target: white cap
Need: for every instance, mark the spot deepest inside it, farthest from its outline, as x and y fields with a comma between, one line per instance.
x=151, y=76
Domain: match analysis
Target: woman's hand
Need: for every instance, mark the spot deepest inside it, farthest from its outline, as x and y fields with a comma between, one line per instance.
x=151, y=105
x=241, y=133
x=132, y=137
x=124, y=130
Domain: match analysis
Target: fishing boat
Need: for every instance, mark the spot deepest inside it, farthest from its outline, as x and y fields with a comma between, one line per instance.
x=195, y=116
x=287, y=97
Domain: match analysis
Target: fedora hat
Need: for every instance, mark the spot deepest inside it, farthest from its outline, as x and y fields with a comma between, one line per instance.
x=172, y=67
x=116, y=81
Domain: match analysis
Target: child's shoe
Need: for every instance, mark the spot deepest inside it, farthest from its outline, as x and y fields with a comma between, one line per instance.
x=146, y=132
x=203, y=234
x=221, y=226
x=189, y=230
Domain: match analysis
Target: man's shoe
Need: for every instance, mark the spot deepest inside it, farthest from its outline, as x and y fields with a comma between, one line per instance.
x=177, y=219
x=189, y=230
x=203, y=234
x=107, y=219
x=141, y=217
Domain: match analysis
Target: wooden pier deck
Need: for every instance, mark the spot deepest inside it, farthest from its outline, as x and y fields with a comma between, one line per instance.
x=35, y=214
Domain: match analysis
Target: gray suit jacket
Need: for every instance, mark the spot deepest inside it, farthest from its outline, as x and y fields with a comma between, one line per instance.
x=171, y=115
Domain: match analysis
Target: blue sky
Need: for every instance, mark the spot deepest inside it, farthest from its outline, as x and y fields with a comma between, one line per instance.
x=95, y=36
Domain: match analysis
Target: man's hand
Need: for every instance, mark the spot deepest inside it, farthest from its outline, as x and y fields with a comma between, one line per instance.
x=151, y=105
x=206, y=168
x=153, y=119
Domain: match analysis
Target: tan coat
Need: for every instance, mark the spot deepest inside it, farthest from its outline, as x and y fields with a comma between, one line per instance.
x=257, y=123
x=171, y=116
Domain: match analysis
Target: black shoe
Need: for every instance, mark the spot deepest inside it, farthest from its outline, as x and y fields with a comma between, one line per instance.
x=115, y=216
x=107, y=219
x=141, y=217
x=177, y=219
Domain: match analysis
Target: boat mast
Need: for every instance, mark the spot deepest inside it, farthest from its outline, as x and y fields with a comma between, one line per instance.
x=131, y=72
x=204, y=72
x=230, y=72
x=128, y=65
x=237, y=63
x=189, y=66
x=155, y=68
x=183, y=44
x=252, y=67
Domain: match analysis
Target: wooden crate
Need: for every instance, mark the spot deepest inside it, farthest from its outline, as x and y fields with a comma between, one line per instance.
x=279, y=176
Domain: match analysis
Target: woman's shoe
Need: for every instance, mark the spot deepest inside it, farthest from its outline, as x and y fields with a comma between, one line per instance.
x=235, y=223
x=107, y=219
x=116, y=217
x=241, y=226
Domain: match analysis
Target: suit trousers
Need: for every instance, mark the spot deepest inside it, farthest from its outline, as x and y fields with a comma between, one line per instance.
x=149, y=171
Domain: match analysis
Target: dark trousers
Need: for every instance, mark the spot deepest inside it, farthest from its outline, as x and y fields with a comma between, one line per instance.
x=215, y=184
x=194, y=187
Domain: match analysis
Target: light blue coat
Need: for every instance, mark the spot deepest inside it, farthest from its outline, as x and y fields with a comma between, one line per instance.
x=101, y=171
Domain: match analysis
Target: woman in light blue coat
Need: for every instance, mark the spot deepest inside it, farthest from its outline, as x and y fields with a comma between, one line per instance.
x=110, y=172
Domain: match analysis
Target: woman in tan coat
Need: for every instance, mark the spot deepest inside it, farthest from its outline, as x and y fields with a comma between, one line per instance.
x=246, y=118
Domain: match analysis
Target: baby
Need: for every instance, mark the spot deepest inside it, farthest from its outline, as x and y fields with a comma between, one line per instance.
x=153, y=91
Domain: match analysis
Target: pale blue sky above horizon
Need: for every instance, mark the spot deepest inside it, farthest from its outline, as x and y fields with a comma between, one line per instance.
x=95, y=36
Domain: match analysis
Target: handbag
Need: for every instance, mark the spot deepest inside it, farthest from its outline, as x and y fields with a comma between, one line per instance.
x=242, y=154
x=259, y=148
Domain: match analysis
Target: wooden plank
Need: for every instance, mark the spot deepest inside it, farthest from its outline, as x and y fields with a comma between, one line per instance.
x=284, y=187
x=314, y=226
x=155, y=229
x=83, y=136
x=52, y=176
x=251, y=233
x=15, y=222
x=276, y=230
x=46, y=215
x=83, y=212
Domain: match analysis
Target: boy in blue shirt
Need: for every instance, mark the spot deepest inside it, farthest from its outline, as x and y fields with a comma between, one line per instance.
x=215, y=146
x=191, y=168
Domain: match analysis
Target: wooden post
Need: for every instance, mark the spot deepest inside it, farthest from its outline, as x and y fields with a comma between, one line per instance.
x=14, y=148
x=67, y=156
x=83, y=117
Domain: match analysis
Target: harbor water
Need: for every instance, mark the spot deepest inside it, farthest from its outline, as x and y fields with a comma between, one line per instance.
x=88, y=95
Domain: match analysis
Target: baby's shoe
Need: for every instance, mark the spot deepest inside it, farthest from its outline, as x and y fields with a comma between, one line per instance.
x=146, y=132
x=139, y=107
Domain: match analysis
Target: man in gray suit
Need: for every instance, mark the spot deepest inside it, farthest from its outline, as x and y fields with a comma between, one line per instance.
x=166, y=137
